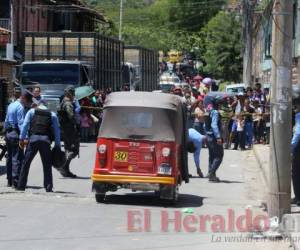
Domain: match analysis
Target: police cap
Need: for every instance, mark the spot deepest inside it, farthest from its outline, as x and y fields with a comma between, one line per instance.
x=27, y=95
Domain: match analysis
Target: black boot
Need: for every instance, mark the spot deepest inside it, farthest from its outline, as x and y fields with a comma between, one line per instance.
x=213, y=178
x=9, y=183
x=48, y=189
x=65, y=171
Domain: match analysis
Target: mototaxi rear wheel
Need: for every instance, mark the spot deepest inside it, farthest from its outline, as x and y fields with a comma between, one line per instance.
x=100, y=198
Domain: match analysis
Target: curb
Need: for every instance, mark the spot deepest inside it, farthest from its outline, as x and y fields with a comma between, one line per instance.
x=261, y=164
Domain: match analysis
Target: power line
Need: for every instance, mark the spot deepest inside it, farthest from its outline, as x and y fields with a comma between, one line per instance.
x=189, y=5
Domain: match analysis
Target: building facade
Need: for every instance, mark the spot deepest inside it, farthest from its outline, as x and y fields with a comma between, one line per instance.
x=262, y=45
x=48, y=16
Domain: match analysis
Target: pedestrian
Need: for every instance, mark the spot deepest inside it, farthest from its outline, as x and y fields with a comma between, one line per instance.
x=85, y=124
x=226, y=113
x=199, y=116
x=37, y=94
x=41, y=125
x=259, y=94
x=213, y=138
x=189, y=100
x=239, y=127
x=248, y=111
x=13, y=125
x=258, y=122
x=69, y=130
x=249, y=94
x=195, y=146
x=296, y=155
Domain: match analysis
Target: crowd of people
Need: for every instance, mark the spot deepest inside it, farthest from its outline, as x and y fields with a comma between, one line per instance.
x=219, y=120
x=245, y=117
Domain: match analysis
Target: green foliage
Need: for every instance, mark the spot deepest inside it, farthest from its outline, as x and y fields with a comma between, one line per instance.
x=160, y=24
x=192, y=15
x=263, y=4
x=194, y=26
x=223, y=46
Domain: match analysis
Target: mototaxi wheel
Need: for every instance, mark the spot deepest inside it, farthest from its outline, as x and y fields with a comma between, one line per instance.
x=99, y=198
x=169, y=194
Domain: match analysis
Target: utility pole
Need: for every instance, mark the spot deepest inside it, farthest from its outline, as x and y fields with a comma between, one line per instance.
x=281, y=109
x=248, y=11
x=121, y=19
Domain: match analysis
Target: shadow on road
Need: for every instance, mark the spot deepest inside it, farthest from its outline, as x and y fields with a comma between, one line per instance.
x=63, y=192
x=77, y=178
x=34, y=187
x=82, y=178
x=2, y=170
x=230, y=182
x=151, y=200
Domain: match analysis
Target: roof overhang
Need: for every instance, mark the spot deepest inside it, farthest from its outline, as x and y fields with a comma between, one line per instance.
x=78, y=5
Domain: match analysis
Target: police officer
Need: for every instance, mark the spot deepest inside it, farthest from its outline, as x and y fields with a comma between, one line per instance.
x=40, y=124
x=296, y=155
x=214, y=139
x=13, y=124
x=67, y=116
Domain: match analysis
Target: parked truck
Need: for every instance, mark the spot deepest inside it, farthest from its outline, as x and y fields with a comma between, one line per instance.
x=141, y=68
x=56, y=60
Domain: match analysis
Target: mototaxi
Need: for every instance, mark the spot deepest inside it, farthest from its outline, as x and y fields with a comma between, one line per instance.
x=141, y=145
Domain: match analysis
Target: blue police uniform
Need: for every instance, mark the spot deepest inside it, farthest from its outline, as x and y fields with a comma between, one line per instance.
x=216, y=151
x=40, y=125
x=13, y=124
x=295, y=144
x=197, y=139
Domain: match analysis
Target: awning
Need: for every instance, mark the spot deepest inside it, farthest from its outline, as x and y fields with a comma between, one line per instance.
x=74, y=6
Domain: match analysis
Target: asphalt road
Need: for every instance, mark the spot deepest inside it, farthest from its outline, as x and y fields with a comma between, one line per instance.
x=70, y=218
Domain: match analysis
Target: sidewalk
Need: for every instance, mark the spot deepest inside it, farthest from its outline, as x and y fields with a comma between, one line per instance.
x=262, y=155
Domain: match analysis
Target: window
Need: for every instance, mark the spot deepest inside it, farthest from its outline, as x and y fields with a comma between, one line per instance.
x=84, y=75
x=137, y=120
x=295, y=16
x=50, y=73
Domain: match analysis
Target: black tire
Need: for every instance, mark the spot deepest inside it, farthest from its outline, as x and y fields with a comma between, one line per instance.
x=172, y=200
x=100, y=198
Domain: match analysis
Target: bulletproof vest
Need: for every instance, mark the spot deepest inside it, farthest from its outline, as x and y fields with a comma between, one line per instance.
x=41, y=123
x=208, y=121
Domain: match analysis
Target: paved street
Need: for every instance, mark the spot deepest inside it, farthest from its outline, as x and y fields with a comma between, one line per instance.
x=71, y=219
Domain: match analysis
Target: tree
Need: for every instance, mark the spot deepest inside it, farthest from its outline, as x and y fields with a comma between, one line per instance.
x=223, y=46
x=192, y=15
x=160, y=24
